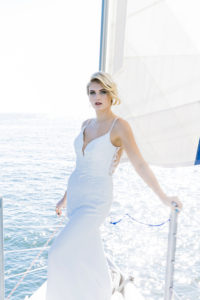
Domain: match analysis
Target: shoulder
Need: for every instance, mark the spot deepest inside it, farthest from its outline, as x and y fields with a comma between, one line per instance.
x=123, y=131
x=122, y=125
x=85, y=122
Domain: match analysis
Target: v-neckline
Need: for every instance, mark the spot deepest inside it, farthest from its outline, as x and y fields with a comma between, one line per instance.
x=98, y=137
x=83, y=150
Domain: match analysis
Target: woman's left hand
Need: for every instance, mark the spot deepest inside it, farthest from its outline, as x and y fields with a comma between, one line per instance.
x=169, y=200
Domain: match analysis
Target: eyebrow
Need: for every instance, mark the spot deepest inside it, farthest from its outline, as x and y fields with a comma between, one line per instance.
x=100, y=90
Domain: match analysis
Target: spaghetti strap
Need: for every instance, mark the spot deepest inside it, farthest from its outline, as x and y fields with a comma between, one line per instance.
x=111, y=127
x=113, y=123
x=86, y=124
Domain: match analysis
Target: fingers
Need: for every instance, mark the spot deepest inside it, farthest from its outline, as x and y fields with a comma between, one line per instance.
x=176, y=205
x=58, y=211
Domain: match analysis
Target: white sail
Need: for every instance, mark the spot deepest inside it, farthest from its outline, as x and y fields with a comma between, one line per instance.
x=151, y=49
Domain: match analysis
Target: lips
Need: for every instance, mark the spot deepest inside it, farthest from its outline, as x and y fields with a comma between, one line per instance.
x=98, y=103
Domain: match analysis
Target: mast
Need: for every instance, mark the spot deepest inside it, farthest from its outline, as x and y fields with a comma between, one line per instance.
x=103, y=36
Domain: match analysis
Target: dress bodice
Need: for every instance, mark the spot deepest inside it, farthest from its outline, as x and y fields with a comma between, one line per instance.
x=99, y=157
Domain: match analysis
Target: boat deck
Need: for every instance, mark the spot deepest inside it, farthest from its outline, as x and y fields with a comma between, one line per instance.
x=130, y=293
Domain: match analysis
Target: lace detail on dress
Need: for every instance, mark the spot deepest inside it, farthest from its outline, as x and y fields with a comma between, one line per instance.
x=115, y=160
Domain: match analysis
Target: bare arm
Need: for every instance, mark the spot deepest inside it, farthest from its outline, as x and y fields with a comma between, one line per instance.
x=65, y=197
x=141, y=166
x=61, y=204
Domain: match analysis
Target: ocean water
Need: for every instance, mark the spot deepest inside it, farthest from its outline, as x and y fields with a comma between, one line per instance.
x=36, y=159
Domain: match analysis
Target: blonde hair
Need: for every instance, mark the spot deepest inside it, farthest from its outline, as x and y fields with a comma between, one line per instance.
x=107, y=82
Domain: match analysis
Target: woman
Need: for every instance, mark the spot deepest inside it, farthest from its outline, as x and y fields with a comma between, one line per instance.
x=77, y=266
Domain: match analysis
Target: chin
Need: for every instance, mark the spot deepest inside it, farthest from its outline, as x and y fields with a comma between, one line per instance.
x=99, y=108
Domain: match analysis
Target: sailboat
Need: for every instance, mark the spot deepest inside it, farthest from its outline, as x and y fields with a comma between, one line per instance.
x=153, y=55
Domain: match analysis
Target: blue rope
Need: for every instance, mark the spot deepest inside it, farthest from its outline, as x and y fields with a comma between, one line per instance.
x=114, y=223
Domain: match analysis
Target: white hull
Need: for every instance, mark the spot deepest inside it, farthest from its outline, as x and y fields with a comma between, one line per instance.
x=130, y=293
x=123, y=286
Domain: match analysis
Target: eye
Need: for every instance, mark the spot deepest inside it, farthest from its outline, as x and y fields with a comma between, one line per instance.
x=104, y=92
x=91, y=92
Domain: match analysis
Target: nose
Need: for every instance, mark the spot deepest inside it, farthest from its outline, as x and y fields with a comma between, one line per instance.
x=98, y=96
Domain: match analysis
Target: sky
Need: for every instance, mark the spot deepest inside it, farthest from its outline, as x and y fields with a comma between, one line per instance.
x=50, y=48
x=48, y=51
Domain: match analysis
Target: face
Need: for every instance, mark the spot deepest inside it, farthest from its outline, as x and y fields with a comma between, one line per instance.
x=99, y=98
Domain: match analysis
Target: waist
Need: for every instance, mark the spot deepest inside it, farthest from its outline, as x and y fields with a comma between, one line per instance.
x=101, y=174
x=90, y=183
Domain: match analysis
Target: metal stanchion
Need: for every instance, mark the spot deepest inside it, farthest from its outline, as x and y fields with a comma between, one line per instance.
x=2, y=285
x=171, y=255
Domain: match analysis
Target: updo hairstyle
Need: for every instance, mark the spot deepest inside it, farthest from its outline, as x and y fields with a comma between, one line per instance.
x=108, y=84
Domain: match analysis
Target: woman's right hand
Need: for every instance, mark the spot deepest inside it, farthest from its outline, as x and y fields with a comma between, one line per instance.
x=61, y=204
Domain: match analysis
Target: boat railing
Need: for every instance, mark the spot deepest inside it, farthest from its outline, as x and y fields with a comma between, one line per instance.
x=169, y=294
x=29, y=270
x=2, y=284
x=169, y=275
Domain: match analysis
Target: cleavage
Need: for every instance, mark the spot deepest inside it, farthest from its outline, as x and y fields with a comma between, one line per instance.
x=95, y=138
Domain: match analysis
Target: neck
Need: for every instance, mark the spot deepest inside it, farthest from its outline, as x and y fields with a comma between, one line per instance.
x=104, y=115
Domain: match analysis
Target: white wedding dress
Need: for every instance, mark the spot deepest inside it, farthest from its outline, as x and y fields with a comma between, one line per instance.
x=77, y=265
